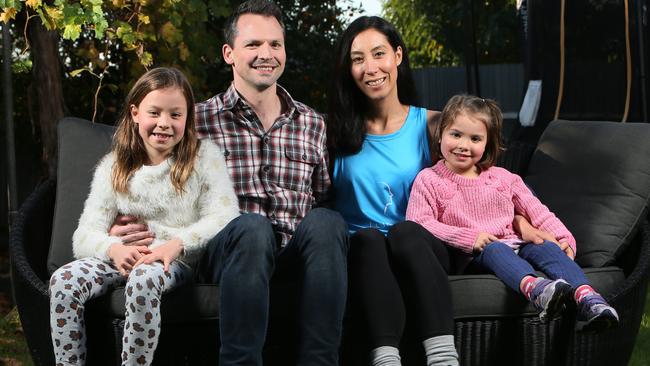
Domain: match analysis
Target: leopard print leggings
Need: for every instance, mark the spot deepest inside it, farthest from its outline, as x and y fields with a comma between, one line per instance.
x=87, y=278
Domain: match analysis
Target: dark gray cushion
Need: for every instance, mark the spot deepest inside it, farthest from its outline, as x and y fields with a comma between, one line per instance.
x=472, y=296
x=487, y=296
x=81, y=145
x=595, y=176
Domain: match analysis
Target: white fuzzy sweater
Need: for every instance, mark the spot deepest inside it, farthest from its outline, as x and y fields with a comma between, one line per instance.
x=207, y=205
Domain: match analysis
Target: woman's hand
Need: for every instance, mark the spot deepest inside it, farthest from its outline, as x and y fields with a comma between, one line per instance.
x=531, y=234
x=166, y=253
x=566, y=248
x=482, y=240
x=125, y=257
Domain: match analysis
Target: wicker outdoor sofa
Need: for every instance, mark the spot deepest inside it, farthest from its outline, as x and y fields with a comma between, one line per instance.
x=594, y=175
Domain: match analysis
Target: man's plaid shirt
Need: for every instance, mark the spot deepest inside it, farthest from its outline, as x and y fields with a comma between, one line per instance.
x=280, y=173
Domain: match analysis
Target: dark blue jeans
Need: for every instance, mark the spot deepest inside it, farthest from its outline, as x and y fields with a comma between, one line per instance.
x=244, y=256
x=546, y=257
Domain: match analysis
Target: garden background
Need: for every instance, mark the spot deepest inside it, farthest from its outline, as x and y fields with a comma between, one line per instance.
x=79, y=58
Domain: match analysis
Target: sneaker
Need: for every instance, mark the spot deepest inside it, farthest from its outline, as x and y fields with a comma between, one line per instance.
x=548, y=297
x=595, y=315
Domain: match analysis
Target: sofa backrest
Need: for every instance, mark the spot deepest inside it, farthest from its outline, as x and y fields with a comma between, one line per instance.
x=595, y=176
x=81, y=145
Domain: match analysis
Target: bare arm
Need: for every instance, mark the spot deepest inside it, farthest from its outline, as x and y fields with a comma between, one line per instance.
x=433, y=120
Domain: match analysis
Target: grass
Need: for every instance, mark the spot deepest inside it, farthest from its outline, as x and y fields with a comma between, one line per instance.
x=641, y=353
x=13, y=349
x=14, y=352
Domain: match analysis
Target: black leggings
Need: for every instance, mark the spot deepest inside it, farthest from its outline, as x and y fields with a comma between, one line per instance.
x=404, y=271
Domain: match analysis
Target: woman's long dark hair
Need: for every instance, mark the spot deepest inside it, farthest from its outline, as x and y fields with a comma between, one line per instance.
x=348, y=106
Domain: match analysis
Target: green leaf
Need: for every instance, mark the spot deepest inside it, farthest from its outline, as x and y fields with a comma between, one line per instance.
x=21, y=66
x=146, y=59
x=71, y=12
x=100, y=28
x=125, y=33
x=11, y=4
x=171, y=34
x=46, y=19
x=76, y=72
x=71, y=31
x=98, y=12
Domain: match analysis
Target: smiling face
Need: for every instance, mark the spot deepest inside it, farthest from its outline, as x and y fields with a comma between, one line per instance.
x=161, y=118
x=463, y=143
x=257, y=54
x=374, y=64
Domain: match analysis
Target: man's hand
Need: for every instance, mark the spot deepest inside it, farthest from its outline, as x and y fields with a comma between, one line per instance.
x=130, y=231
x=482, y=240
x=166, y=253
x=124, y=257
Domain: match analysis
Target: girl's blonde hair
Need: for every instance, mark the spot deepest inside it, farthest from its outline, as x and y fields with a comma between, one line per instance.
x=485, y=110
x=129, y=150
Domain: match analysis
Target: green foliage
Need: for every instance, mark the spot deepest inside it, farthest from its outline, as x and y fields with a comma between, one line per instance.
x=21, y=66
x=312, y=28
x=119, y=39
x=435, y=34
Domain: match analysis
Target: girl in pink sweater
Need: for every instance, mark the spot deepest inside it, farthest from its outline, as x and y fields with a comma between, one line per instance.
x=469, y=203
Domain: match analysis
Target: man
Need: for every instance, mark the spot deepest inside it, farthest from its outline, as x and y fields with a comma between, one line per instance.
x=277, y=158
x=276, y=154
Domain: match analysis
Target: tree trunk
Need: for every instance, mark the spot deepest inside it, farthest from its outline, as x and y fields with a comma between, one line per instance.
x=47, y=86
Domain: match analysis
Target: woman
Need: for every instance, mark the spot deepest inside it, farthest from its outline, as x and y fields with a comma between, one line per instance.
x=379, y=142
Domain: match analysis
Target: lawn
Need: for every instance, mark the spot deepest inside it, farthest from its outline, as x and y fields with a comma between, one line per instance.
x=641, y=354
x=13, y=350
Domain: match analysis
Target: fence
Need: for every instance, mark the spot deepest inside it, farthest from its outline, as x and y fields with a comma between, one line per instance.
x=504, y=83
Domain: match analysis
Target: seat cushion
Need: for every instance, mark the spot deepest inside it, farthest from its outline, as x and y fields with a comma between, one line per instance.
x=473, y=296
x=595, y=176
x=189, y=303
x=81, y=145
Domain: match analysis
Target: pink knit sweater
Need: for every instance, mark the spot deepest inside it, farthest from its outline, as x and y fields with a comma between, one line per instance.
x=456, y=209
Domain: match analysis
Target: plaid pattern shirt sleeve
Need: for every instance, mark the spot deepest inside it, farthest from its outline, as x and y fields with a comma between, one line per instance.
x=321, y=182
x=280, y=173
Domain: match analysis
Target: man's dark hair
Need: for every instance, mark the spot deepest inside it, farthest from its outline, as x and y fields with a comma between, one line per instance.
x=259, y=7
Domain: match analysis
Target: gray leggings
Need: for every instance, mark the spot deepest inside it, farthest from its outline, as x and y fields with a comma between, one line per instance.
x=87, y=278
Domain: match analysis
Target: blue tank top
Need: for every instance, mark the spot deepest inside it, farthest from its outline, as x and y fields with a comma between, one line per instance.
x=372, y=187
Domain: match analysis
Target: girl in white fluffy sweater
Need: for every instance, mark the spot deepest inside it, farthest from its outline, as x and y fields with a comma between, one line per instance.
x=161, y=173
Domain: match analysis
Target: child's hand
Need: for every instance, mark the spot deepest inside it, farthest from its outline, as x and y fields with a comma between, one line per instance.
x=124, y=257
x=482, y=240
x=165, y=253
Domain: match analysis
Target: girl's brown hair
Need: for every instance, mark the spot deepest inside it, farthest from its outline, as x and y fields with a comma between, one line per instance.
x=485, y=110
x=129, y=150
